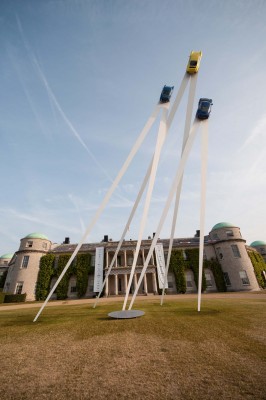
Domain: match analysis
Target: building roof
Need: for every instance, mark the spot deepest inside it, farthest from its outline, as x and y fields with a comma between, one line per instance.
x=129, y=244
x=223, y=225
x=7, y=256
x=36, y=235
x=258, y=243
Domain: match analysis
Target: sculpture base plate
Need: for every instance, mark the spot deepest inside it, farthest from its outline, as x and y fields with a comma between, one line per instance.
x=126, y=314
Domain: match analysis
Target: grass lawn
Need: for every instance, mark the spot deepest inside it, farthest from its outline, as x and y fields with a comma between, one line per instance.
x=172, y=352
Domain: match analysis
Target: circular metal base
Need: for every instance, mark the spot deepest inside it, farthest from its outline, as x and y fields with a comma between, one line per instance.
x=126, y=314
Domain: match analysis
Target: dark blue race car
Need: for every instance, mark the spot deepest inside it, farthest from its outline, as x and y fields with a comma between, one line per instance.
x=166, y=94
x=204, y=108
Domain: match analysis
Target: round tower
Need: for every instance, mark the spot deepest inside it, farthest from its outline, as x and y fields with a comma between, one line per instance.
x=23, y=272
x=5, y=259
x=260, y=246
x=231, y=252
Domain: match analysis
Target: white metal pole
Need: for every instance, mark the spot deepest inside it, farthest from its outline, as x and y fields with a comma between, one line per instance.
x=121, y=173
x=178, y=98
x=175, y=183
x=160, y=141
x=143, y=186
x=204, y=154
x=191, y=96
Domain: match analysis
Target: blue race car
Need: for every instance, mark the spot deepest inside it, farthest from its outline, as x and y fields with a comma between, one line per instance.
x=204, y=108
x=166, y=94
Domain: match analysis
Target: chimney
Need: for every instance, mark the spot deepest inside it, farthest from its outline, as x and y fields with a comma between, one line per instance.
x=197, y=233
x=105, y=238
x=66, y=241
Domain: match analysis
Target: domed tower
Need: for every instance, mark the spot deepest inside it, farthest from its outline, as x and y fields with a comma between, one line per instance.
x=4, y=261
x=260, y=246
x=22, y=274
x=232, y=254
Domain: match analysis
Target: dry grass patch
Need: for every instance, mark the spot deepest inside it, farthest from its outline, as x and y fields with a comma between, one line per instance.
x=172, y=352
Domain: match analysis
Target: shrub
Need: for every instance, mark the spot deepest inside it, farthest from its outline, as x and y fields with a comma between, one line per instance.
x=15, y=298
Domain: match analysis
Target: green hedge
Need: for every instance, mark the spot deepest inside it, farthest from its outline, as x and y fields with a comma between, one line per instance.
x=48, y=269
x=15, y=298
x=259, y=265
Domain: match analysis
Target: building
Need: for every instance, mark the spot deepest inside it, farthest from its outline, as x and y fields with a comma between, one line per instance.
x=228, y=265
x=4, y=262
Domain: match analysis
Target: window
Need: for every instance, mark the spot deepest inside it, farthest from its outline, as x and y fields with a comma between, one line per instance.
x=44, y=245
x=93, y=261
x=73, y=289
x=244, y=277
x=129, y=260
x=170, y=285
x=215, y=236
x=229, y=233
x=189, y=284
x=29, y=243
x=5, y=262
x=118, y=261
x=208, y=279
x=19, y=288
x=219, y=253
x=235, y=250
x=25, y=262
x=184, y=254
x=227, y=279
x=7, y=286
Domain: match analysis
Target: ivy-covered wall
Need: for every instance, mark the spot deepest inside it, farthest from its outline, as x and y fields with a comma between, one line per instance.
x=48, y=269
x=259, y=266
x=178, y=265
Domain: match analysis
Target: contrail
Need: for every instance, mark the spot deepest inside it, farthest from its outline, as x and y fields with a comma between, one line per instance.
x=25, y=89
x=56, y=103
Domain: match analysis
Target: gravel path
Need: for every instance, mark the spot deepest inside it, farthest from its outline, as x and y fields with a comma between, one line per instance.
x=176, y=297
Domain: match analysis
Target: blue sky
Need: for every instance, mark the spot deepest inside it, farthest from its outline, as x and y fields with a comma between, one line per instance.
x=79, y=80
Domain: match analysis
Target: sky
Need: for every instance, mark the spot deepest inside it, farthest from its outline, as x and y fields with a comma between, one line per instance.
x=79, y=80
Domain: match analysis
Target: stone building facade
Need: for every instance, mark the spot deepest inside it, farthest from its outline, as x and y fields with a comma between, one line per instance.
x=223, y=244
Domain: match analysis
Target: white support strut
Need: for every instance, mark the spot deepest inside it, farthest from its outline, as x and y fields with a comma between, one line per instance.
x=191, y=96
x=175, y=183
x=160, y=141
x=204, y=154
x=121, y=173
x=144, y=184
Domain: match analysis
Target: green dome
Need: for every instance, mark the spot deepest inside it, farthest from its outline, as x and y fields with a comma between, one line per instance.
x=258, y=243
x=223, y=225
x=7, y=255
x=36, y=235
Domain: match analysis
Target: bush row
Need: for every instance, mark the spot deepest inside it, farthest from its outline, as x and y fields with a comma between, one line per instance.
x=12, y=298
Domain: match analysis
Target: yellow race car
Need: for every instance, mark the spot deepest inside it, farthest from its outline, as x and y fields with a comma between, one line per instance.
x=194, y=62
